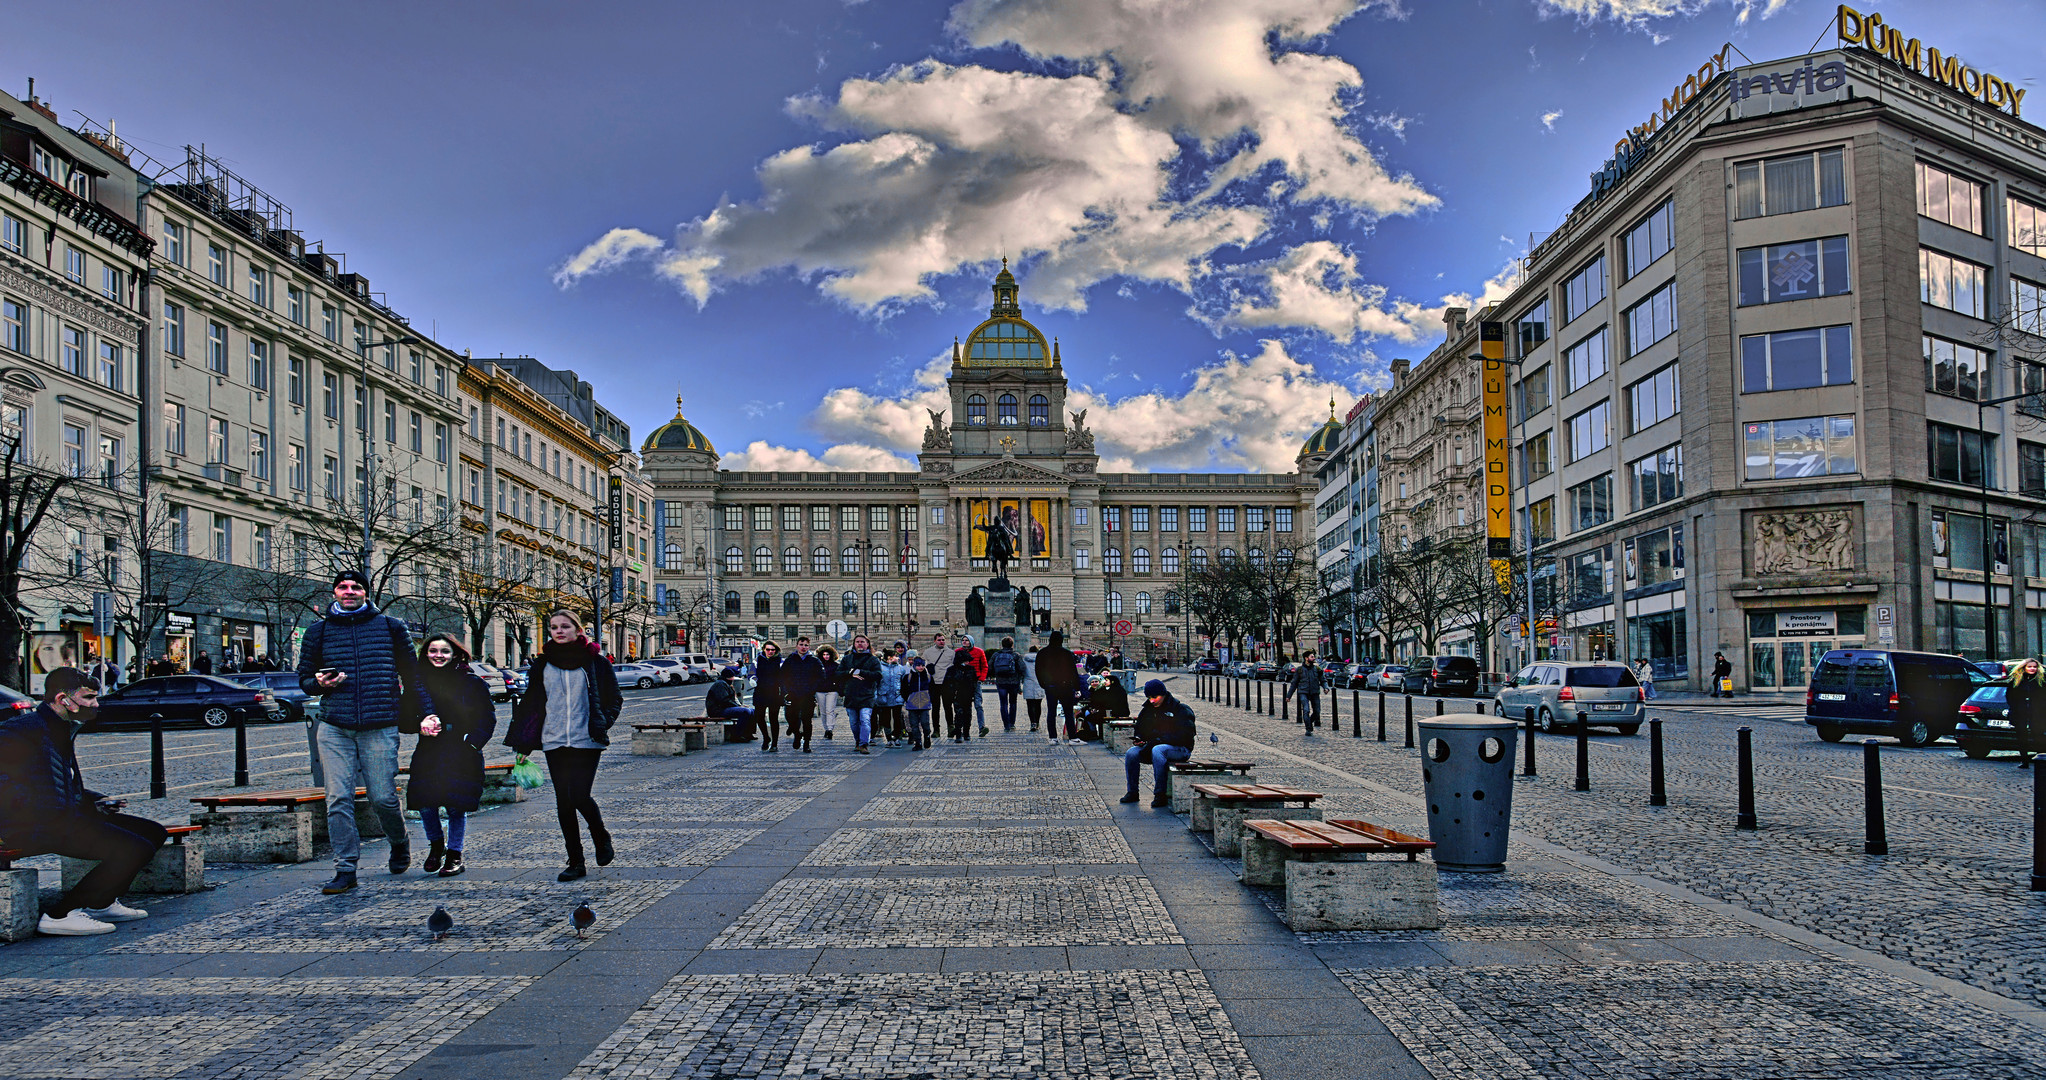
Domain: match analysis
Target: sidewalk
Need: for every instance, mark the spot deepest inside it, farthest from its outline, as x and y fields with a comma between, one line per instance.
x=976, y=911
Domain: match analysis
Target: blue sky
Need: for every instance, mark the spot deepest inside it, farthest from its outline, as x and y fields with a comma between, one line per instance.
x=787, y=209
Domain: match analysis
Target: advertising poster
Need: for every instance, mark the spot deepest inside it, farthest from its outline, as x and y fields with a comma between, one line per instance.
x=48, y=653
x=977, y=511
x=1012, y=519
x=1038, y=541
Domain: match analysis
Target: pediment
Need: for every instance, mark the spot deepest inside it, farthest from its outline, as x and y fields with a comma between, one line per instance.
x=1006, y=471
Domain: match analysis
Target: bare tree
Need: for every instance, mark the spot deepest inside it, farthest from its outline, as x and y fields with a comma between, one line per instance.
x=602, y=596
x=490, y=585
x=140, y=566
x=1420, y=592
x=411, y=538
x=30, y=488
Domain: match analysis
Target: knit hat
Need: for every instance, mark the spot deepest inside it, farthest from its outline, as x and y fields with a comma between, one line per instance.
x=916, y=661
x=1154, y=688
x=354, y=576
x=729, y=673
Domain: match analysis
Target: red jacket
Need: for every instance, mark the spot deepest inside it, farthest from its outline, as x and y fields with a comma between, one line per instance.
x=980, y=663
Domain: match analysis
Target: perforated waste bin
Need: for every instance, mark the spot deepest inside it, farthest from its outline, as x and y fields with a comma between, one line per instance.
x=1467, y=776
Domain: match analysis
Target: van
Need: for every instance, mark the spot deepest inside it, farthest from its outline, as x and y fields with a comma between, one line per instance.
x=1451, y=675
x=1913, y=697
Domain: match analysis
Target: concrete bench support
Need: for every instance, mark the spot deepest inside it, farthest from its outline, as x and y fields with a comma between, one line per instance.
x=1228, y=822
x=261, y=836
x=177, y=868
x=1119, y=735
x=695, y=739
x=657, y=742
x=1380, y=894
x=498, y=787
x=19, y=905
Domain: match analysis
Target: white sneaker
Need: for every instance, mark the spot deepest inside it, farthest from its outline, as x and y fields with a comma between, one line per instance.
x=75, y=924
x=1073, y=742
x=116, y=912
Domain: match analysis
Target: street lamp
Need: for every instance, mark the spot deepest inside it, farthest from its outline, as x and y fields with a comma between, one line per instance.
x=364, y=347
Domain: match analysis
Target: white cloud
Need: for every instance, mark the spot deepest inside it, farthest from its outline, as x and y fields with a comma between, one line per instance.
x=941, y=168
x=1318, y=285
x=1549, y=119
x=1639, y=12
x=761, y=456
x=1242, y=412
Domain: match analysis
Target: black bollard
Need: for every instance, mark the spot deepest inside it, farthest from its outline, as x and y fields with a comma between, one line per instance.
x=156, y=790
x=1356, y=715
x=1657, y=796
x=1381, y=716
x=1410, y=722
x=1529, y=768
x=1438, y=706
x=1286, y=705
x=1335, y=710
x=1746, y=818
x=1481, y=708
x=1583, y=782
x=241, y=752
x=1877, y=836
x=2039, y=830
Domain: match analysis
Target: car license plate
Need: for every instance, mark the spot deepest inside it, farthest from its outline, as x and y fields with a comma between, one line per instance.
x=1998, y=722
x=1832, y=697
x=1607, y=708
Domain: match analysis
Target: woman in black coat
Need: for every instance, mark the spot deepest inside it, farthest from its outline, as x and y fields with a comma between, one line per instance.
x=453, y=716
x=767, y=696
x=2026, y=696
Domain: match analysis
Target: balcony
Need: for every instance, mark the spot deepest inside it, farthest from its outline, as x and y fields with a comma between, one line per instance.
x=221, y=474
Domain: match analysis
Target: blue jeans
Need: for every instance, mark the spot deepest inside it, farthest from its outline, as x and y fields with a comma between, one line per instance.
x=458, y=822
x=861, y=719
x=367, y=759
x=1309, y=702
x=1159, y=755
x=739, y=714
x=1006, y=695
x=1054, y=701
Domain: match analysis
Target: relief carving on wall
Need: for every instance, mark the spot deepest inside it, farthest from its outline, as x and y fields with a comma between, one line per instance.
x=1798, y=541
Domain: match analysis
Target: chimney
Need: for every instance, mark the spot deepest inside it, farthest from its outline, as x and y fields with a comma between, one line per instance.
x=1452, y=319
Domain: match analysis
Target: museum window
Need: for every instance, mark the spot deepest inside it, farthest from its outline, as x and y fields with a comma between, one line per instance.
x=1794, y=271
x=1225, y=519
x=1040, y=411
x=1956, y=369
x=1143, y=603
x=1584, y=289
x=937, y=558
x=1797, y=359
x=1786, y=185
x=763, y=517
x=1196, y=519
x=849, y=518
x=1657, y=478
x=1111, y=560
x=906, y=515
x=1197, y=560
x=1005, y=410
x=1651, y=239
x=1168, y=519
x=976, y=410
x=909, y=560
x=761, y=604
x=937, y=515
x=735, y=560
x=878, y=603
x=1794, y=449
x=731, y=603
x=877, y=519
x=791, y=518
x=1115, y=603
x=1140, y=561
x=763, y=560
x=849, y=560
x=849, y=603
x=1111, y=519
x=671, y=557
x=1949, y=199
x=1168, y=561
x=1955, y=284
x=1253, y=519
x=820, y=603
x=1961, y=456
x=733, y=517
x=1080, y=558
x=792, y=560
x=1282, y=518
x=1079, y=515
x=1140, y=519
x=820, y=518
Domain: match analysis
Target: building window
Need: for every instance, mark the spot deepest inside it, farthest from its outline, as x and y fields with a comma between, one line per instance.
x=74, y=265
x=223, y=538
x=1168, y=561
x=2032, y=478
x=259, y=286
x=1533, y=326
x=1168, y=519
x=440, y=443
x=792, y=560
x=763, y=517
x=1652, y=319
x=820, y=561
x=259, y=454
x=877, y=519
x=1591, y=502
x=109, y=374
x=1140, y=519
x=440, y=379
x=1140, y=561
x=14, y=326
x=877, y=559
x=1282, y=519
x=1197, y=560
x=791, y=603
x=2028, y=227
x=763, y=560
x=1143, y=603
x=1950, y=199
x=1114, y=603
x=1650, y=240
x=216, y=348
x=180, y=529
x=295, y=455
x=1196, y=519
x=1111, y=560
x=1253, y=519
x=1539, y=521
x=1792, y=449
x=112, y=283
x=937, y=558
x=762, y=604
x=1657, y=478
x=1005, y=410
x=1786, y=185
x=14, y=235
x=1591, y=431
x=791, y=518
x=1534, y=458
x=390, y=421
x=110, y=461
x=216, y=264
x=1799, y=271
x=976, y=409
x=1225, y=519
x=331, y=480
x=1591, y=575
x=734, y=517
x=937, y=515
x=1585, y=361
x=848, y=518
x=735, y=560
x=1956, y=369
x=1797, y=359
x=1654, y=399
x=849, y=560
x=906, y=515
x=1531, y=394
x=259, y=364
x=849, y=603
x=1584, y=289
x=1080, y=558
x=2028, y=306
x=1040, y=411
x=413, y=368
x=1954, y=284
x=216, y=440
x=731, y=603
x=1961, y=456
x=330, y=396
x=71, y=341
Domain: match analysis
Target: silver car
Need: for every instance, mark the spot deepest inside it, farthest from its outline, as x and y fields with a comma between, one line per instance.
x=1554, y=694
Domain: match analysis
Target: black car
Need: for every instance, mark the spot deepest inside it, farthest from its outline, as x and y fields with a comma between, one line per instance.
x=284, y=684
x=1449, y=675
x=13, y=701
x=1413, y=680
x=186, y=699
x=1984, y=726
x=1912, y=696
x=1264, y=669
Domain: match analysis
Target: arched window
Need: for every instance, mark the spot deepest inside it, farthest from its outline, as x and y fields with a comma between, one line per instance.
x=909, y=604
x=1143, y=603
x=849, y=604
x=731, y=603
x=1040, y=599
x=791, y=603
x=1140, y=561
x=1257, y=556
x=976, y=409
x=763, y=560
x=735, y=560
x=1115, y=603
x=1111, y=560
x=1168, y=560
x=910, y=558
x=880, y=603
x=761, y=605
x=1172, y=603
x=877, y=560
x=1227, y=556
x=820, y=561
x=671, y=558
x=792, y=560
x=1040, y=411
x=1199, y=558
x=820, y=604
x=1005, y=410
x=849, y=559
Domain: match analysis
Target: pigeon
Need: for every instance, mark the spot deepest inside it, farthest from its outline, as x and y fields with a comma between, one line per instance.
x=1214, y=738
x=439, y=923
x=583, y=918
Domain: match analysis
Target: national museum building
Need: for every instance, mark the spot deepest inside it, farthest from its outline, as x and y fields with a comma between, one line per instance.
x=774, y=555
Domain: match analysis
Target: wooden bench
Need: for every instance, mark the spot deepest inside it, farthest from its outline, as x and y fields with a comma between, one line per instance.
x=668, y=739
x=20, y=900
x=285, y=836
x=1221, y=809
x=178, y=867
x=1331, y=880
x=1182, y=796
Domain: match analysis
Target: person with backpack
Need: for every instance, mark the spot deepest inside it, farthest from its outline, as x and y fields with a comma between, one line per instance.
x=888, y=697
x=767, y=697
x=918, y=695
x=962, y=685
x=1006, y=669
x=1033, y=691
x=1058, y=671
x=980, y=672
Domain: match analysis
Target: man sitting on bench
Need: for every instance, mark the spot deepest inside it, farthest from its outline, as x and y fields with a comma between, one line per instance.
x=721, y=702
x=46, y=809
x=1164, y=734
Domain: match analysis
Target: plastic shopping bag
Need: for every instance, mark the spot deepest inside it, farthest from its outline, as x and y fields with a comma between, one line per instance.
x=526, y=774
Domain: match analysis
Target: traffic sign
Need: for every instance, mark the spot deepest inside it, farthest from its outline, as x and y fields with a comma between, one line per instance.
x=1123, y=628
x=837, y=629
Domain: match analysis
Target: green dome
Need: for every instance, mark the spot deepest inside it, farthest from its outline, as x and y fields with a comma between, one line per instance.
x=678, y=434
x=1326, y=437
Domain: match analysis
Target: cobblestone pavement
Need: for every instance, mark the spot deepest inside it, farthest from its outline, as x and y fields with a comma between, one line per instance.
x=1951, y=897
x=989, y=909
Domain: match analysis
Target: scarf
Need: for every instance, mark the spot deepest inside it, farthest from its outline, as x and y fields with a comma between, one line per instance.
x=575, y=654
x=443, y=683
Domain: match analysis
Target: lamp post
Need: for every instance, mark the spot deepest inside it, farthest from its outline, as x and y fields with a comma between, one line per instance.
x=1989, y=641
x=364, y=347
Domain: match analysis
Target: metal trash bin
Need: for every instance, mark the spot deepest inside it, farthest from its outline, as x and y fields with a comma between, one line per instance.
x=1467, y=777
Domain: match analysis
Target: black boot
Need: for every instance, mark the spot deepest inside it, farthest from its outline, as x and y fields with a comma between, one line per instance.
x=401, y=858
x=453, y=865
x=605, y=852
x=435, y=855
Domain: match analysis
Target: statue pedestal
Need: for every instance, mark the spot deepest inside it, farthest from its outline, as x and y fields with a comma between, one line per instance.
x=1000, y=614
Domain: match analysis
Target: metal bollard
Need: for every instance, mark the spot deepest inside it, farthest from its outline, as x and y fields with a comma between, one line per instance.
x=1410, y=721
x=1335, y=710
x=1877, y=837
x=1356, y=715
x=1481, y=708
x=1529, y=768
x=1657, y=796
x=241, y=752
x=1583, y=782
x=1438, y=706
x=1746, y=818
x=2039, y=830
x=1381, y=716
x=1286, y=704
x=156, y=789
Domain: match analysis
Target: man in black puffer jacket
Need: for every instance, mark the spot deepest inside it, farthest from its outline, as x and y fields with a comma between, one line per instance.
x=359, y=663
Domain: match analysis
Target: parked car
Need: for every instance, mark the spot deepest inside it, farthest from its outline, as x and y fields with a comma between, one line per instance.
x=284, y=684
x=14, y=701
x=1355, y=676
x=496, y=678
x=519, y=679
x=1984, y=726
x=1384, y=677
x=1207, y=663
x=1239, y=669
x=676, y=669
x=186, y=699
x=1451, y=675
x=1413, y=680
x=1607, y=694
x=639, y=675
x=1913, y=697
x=703, y=667
x=1264, y=669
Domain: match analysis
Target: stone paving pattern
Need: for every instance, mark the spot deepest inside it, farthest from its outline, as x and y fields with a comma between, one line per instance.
x=989, y=807
x=982, y=912
x=1056, y=845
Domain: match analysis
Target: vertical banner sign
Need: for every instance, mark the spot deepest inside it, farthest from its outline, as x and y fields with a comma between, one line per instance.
x=1498, y=492
x=661, y=537
x=617, y=512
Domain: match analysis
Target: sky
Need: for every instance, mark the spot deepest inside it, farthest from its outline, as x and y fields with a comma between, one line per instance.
x=1227, y=211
